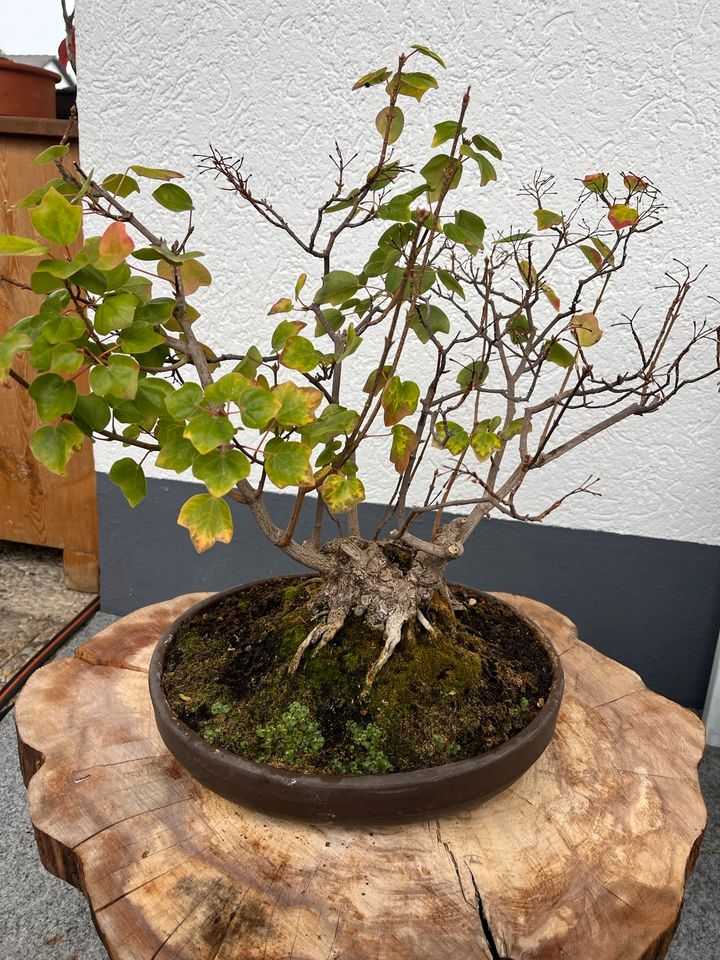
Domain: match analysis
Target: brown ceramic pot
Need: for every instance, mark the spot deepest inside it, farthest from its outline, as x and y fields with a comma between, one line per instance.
x=26, y=91
x=383, y=798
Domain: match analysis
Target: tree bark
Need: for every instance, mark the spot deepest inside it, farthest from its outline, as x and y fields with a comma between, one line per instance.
x=586, y=856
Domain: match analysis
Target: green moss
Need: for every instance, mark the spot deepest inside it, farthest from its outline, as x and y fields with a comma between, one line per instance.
x=444, y=696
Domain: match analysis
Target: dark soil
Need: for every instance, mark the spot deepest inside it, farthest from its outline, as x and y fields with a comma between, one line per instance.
x=460, y=691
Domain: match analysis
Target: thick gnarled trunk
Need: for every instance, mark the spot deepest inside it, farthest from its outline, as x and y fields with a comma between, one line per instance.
x=390, y=586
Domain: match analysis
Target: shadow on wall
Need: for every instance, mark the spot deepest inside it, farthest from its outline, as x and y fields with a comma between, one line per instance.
x=652, y=604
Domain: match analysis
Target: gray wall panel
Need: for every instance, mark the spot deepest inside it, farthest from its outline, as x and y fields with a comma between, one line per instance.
x=652, y=604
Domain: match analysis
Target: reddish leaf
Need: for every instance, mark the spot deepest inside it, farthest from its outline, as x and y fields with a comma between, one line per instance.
x=621, y=215
x=115, y=245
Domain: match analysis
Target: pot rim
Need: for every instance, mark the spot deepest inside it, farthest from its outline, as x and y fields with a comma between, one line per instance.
x=213, y=757
x=12, y=65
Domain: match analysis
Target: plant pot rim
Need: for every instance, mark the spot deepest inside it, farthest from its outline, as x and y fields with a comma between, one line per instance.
x=8, y=64
x=347, y=798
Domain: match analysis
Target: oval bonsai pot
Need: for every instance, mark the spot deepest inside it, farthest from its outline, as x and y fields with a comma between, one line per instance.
x=372, y=798
x=26, y=91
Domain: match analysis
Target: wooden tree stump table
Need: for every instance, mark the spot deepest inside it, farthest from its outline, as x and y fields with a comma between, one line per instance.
x=584, y=858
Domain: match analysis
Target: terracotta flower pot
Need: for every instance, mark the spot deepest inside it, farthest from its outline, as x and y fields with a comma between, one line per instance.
x=382, y=798
x=26, y=91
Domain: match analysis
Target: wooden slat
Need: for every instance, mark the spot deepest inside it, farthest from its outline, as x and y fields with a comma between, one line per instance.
x=37, y=506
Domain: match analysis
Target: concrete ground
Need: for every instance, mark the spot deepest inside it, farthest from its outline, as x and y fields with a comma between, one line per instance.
x=43, y=918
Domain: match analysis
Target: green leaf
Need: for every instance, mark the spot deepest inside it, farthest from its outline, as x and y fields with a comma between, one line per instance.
x=372, y=79
x=380, y=261
x=484, y=441
x=487, y=146
x=185, y=401
x=446, y=130
x=513, y=429
x=418, y=281
x=52, y=153
x=398, y=207
x=519, y=328
x=377, y=381
x=441, y=173
x=300, y=354
x=116, y=312
x=177, y=453
x=156, y=173
x=228, y=389
x=220, y=470
x=451, y=283
x=156, y=311
x=287, y=463
x=414, y=85
x=140, y=338
x=121, y=184
x=427, y=52
x=487, y=170
x=208, y=520
x=53, y=396
x=249, y=364
x=258, y=407
x=337, y=287
x=399, y=400
x=604, y=249
x=451, y=436
x=129, y=476
x=283, y=305
x=207, y=431
x=404, y=443
x=283, y=331
x=341, y=494
x=334, y=320
x=596, y=182
x=115, y=245
x=586, y=329
x=515, y=237
x=65, y=359
x=173, y=197
x=468, y=228
x=57, y=219
x=11, y=246
x=556, y=353
x=546, y=219
x=390, y=122
x=473, y=376
x=118, y=379
x=621, y=215
x=91, y=413
x=333, y=421
x=297, y=404
x=380, y=177
x=12, y=343
x=427, y=321
x=54, y=446
x=593, y=255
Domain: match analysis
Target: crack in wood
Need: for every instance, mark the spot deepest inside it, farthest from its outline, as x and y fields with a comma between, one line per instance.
x=492, y=945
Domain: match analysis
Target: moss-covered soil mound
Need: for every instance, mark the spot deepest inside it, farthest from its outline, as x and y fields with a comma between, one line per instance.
x=447, y=695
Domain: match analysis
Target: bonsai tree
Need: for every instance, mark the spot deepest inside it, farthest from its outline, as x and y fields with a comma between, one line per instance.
x=510, y=382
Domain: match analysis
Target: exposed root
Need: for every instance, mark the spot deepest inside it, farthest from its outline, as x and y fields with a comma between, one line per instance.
x=424, y=622
x=320, y=635
x=393, y=635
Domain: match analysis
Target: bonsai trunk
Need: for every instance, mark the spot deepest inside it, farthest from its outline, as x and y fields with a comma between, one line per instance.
x=391, y=585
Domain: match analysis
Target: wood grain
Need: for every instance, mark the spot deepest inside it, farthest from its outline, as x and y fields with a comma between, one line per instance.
x=37, y=506
x=584, y=858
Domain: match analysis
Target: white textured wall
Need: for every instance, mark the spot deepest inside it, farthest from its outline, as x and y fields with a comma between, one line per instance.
x=572, y=86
